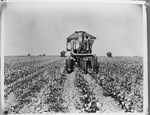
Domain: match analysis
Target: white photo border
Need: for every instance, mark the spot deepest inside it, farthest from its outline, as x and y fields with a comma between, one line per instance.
x=145, y=47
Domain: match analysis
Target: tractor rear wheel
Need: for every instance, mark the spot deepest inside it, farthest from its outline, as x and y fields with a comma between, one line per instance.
x=84, y=66
x=95, y=66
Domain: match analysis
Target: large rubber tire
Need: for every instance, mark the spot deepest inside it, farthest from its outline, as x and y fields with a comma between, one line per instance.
x=69, y=65
x=89, y=65
x=84, y=67
x=79, y=63
x=95, y=66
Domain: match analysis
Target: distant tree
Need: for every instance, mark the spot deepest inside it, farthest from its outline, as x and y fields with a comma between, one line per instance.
x=62, y=54
x=44, y=54
x=109, y=54
x=28, y=54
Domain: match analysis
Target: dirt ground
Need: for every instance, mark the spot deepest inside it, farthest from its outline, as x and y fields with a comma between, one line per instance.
x=72, y=96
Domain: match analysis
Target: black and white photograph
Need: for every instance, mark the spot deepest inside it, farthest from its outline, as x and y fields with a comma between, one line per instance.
x=74, y=57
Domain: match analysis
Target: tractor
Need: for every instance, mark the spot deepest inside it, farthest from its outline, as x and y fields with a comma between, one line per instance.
x=80, y=44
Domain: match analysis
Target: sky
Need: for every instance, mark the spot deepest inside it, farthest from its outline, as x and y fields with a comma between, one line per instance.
x=37, y=28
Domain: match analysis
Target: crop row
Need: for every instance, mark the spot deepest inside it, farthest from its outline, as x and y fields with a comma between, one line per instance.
x=87, y=97
x=53, y=95
x=26, y=88
x=122, y=78
x=24, y=70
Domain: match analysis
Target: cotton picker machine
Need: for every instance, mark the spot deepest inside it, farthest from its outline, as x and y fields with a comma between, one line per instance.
x=80, y=44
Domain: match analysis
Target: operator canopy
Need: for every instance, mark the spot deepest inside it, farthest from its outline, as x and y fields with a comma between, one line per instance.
x=81, y=34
